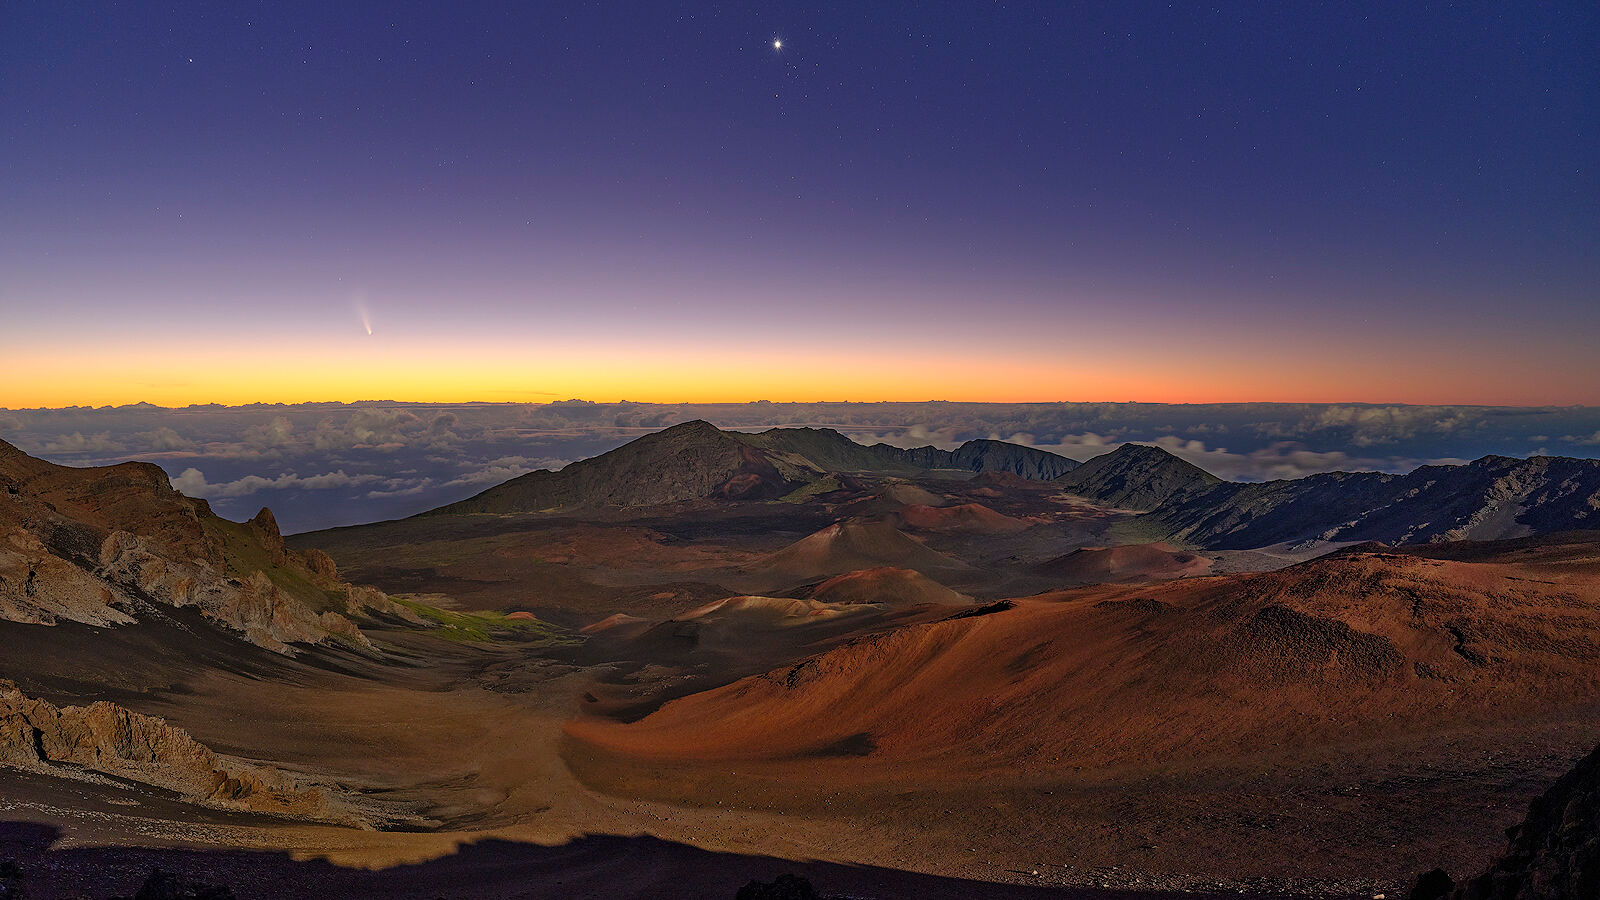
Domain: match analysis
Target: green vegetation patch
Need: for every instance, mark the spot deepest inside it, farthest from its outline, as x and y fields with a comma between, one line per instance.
x=807, y=491
x=484, y=626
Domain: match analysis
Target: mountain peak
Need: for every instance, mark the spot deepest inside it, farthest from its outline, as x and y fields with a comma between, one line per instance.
x=1136, y=476
x=693, y=426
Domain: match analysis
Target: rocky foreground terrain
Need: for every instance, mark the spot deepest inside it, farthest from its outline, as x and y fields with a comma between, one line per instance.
x=99, y=545
x=706, y=660
x=104, y=739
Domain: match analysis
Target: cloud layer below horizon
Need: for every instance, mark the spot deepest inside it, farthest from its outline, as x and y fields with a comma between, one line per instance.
x=324, y=465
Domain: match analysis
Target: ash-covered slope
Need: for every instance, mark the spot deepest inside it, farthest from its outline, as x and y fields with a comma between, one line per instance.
x=1135, y=476
x=101, y=545
x=698, y=461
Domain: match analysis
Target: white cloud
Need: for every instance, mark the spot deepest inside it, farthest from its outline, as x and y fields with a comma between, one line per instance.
x=193, y=483
x=277, y=433
x=504, y=469
x=163, y=438
x=77, y=443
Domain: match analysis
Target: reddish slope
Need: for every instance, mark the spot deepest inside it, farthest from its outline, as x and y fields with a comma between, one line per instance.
x=849, y=546
x=1130, y=563
x=885, y=584
x=1345, y=648
x=967, y=518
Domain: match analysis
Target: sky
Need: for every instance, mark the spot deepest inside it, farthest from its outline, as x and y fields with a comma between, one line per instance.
x=290, y=201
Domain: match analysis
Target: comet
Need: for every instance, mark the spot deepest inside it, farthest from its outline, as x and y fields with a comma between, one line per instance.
x=363, y=313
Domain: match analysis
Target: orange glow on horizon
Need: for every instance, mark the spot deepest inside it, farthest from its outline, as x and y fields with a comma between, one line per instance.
x=115, y=375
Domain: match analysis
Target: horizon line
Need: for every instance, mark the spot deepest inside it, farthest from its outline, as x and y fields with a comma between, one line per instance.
x=571, y=400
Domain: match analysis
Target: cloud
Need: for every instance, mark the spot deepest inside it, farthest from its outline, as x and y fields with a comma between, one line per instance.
x=504, y=469
x=395, y=487
x=193, y=483
x=1368, y=426
x=422, y=453
x=77, y=443
x=277, y=433
x=162, y=438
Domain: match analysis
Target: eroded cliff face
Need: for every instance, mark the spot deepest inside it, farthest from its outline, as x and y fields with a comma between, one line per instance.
x=106, y=739
x=97, y=545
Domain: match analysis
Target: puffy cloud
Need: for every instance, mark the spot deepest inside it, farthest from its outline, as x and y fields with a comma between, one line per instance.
x=77, y=443
x=193, y=483
x=504, y=469
x=277, y=433
x=162, y=438
x=1369, y=426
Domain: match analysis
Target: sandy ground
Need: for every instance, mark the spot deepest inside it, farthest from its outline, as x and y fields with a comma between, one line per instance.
x=513, y=794
x=504, y=746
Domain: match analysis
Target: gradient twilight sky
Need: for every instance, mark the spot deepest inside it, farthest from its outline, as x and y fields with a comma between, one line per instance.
x=204, y=202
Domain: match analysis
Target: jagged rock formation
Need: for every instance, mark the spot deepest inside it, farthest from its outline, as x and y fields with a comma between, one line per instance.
x=106, y=738
x=1134, y=476
x=1492, y=498
x=698, y=461
x=96, y=545
x=1553, y=855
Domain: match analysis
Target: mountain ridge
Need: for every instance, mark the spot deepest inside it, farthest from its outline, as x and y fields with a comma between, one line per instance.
x=1493, y=497
x=695, y=460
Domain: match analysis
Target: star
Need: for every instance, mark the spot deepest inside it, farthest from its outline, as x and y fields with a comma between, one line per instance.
x=777, y=43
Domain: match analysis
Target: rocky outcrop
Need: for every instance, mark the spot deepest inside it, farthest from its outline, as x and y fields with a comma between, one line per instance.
x=254, y=605
x=97, y=545
x=266, y=526
x=320, y=564
x=1553, y=855
x=107, y=739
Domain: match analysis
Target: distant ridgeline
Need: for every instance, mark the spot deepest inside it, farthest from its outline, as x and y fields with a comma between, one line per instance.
x=698, y=461
x=1491, y=498
x=1488, y=499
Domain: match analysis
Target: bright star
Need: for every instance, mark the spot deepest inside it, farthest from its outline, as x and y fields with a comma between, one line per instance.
x=777, y=44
